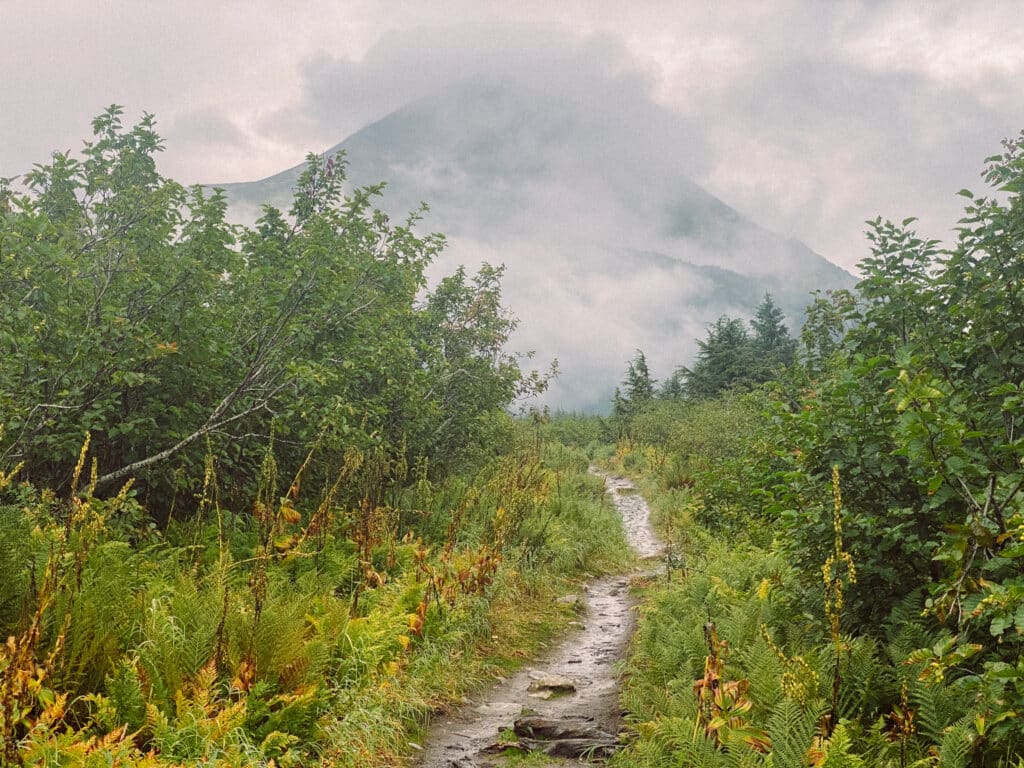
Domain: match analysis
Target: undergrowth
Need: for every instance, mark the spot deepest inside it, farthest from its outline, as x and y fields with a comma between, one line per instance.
x=298, y=632
x=737, y=661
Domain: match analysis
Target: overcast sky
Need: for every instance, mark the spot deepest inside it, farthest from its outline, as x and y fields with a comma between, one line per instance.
x=807, y=116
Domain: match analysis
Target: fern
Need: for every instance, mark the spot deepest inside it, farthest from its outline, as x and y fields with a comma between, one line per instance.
x=792, y=730
x=102, y=615
x=178, y=636
x=15, y=560
x=957, y=745
x=295, y=713
x=739, y=755
x=647, y=701
x=279, y=641
x=906, y=630
x=860, y=670
x=699, y=751
x=837, y=752
x=764, y=671
x=740, y=625
x=937, y=706
x=672, y=741
x=124, y=689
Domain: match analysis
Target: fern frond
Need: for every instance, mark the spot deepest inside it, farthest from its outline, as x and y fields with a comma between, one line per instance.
x=937, y=707
x=792, y=730
x=957, y=745
x=838, y=751
x=764, y=670
x=860, y=670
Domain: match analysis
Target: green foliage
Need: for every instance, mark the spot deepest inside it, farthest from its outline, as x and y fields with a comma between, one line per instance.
x=209, y=648
x=589, y=432
x=326, y=499
x=131, y=309
x=725, y=360
x=792, y=728
x=774, y=347
x=731, y=359
x=918, y=404
x=716, y=448
x=909, y=390
x=637, y=391
x=16, y=562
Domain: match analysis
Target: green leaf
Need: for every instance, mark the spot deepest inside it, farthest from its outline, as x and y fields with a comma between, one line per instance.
x=999, y=625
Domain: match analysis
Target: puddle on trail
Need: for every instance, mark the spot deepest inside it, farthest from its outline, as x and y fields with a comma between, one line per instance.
x=586, y=655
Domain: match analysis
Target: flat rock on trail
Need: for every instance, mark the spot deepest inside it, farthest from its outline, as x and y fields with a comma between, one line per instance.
x=576, y=682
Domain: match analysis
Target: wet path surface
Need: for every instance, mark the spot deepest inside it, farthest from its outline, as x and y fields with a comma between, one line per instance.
x=586, y=658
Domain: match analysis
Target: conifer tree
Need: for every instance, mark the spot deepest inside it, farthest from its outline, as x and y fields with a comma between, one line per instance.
x=725, y=360
x=639, y=384
x=773, y=345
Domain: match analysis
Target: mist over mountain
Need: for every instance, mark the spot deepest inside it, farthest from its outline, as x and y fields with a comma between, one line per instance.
x=585, y=194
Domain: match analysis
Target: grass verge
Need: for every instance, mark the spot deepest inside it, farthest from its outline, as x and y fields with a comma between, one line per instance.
x=269, y=641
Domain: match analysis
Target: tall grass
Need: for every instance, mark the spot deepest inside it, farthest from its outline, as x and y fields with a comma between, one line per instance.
x=297, y=632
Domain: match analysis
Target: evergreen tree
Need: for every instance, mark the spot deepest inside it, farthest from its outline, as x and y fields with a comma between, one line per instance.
x=619, y=404
x=770, y=332
x=638, y=389
x=639, y=384
x=674, y=386
x=772, y=343
x=725, y=360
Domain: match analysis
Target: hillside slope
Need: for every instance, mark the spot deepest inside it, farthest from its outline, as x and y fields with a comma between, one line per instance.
x=608, y=243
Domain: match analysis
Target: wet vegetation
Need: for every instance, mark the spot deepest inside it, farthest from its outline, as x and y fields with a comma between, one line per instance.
x=846, y=541
x=262, y=501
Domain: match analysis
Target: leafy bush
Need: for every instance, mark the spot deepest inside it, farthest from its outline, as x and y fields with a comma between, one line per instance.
x=903, y=590
x=132, y=310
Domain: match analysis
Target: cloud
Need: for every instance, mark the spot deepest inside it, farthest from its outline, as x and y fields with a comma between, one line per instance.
x=830, y=114
x=340, y=94
x=591, y=320
x=836, y=145
x=558, y=154
x=807, y=117
x=207, y=126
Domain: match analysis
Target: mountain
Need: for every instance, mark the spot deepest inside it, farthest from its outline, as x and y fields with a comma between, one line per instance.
x=609, y=244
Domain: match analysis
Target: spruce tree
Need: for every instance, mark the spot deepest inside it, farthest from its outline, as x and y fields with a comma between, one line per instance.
x=773, y=346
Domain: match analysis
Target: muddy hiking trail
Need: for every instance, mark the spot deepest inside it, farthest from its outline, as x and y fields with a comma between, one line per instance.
x=566, y=703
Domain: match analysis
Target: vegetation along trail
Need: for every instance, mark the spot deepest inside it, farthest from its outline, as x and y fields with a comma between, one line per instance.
x=567, y=704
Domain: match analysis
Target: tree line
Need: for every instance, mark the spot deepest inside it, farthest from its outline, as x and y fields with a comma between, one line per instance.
x=133, y=311
x=730, y=358
x=852, y=529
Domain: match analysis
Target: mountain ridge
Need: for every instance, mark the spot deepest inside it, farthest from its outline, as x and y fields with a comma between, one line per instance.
x=606, y=241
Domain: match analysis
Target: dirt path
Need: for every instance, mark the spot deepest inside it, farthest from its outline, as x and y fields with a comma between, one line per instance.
x=585, y=658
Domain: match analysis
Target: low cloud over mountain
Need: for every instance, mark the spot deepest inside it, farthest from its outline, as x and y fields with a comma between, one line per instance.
x=583, y=190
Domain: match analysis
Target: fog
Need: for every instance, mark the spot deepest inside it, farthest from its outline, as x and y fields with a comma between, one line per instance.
x=616, y=158
x=580, y=184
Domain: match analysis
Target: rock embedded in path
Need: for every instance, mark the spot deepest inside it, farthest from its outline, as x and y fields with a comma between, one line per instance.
x=560, y=728
x=465, y=762
x=572, y=748
x=549, y=685
x=569, y=737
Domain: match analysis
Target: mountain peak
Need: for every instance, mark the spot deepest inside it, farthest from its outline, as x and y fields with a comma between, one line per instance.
x=609, y=243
